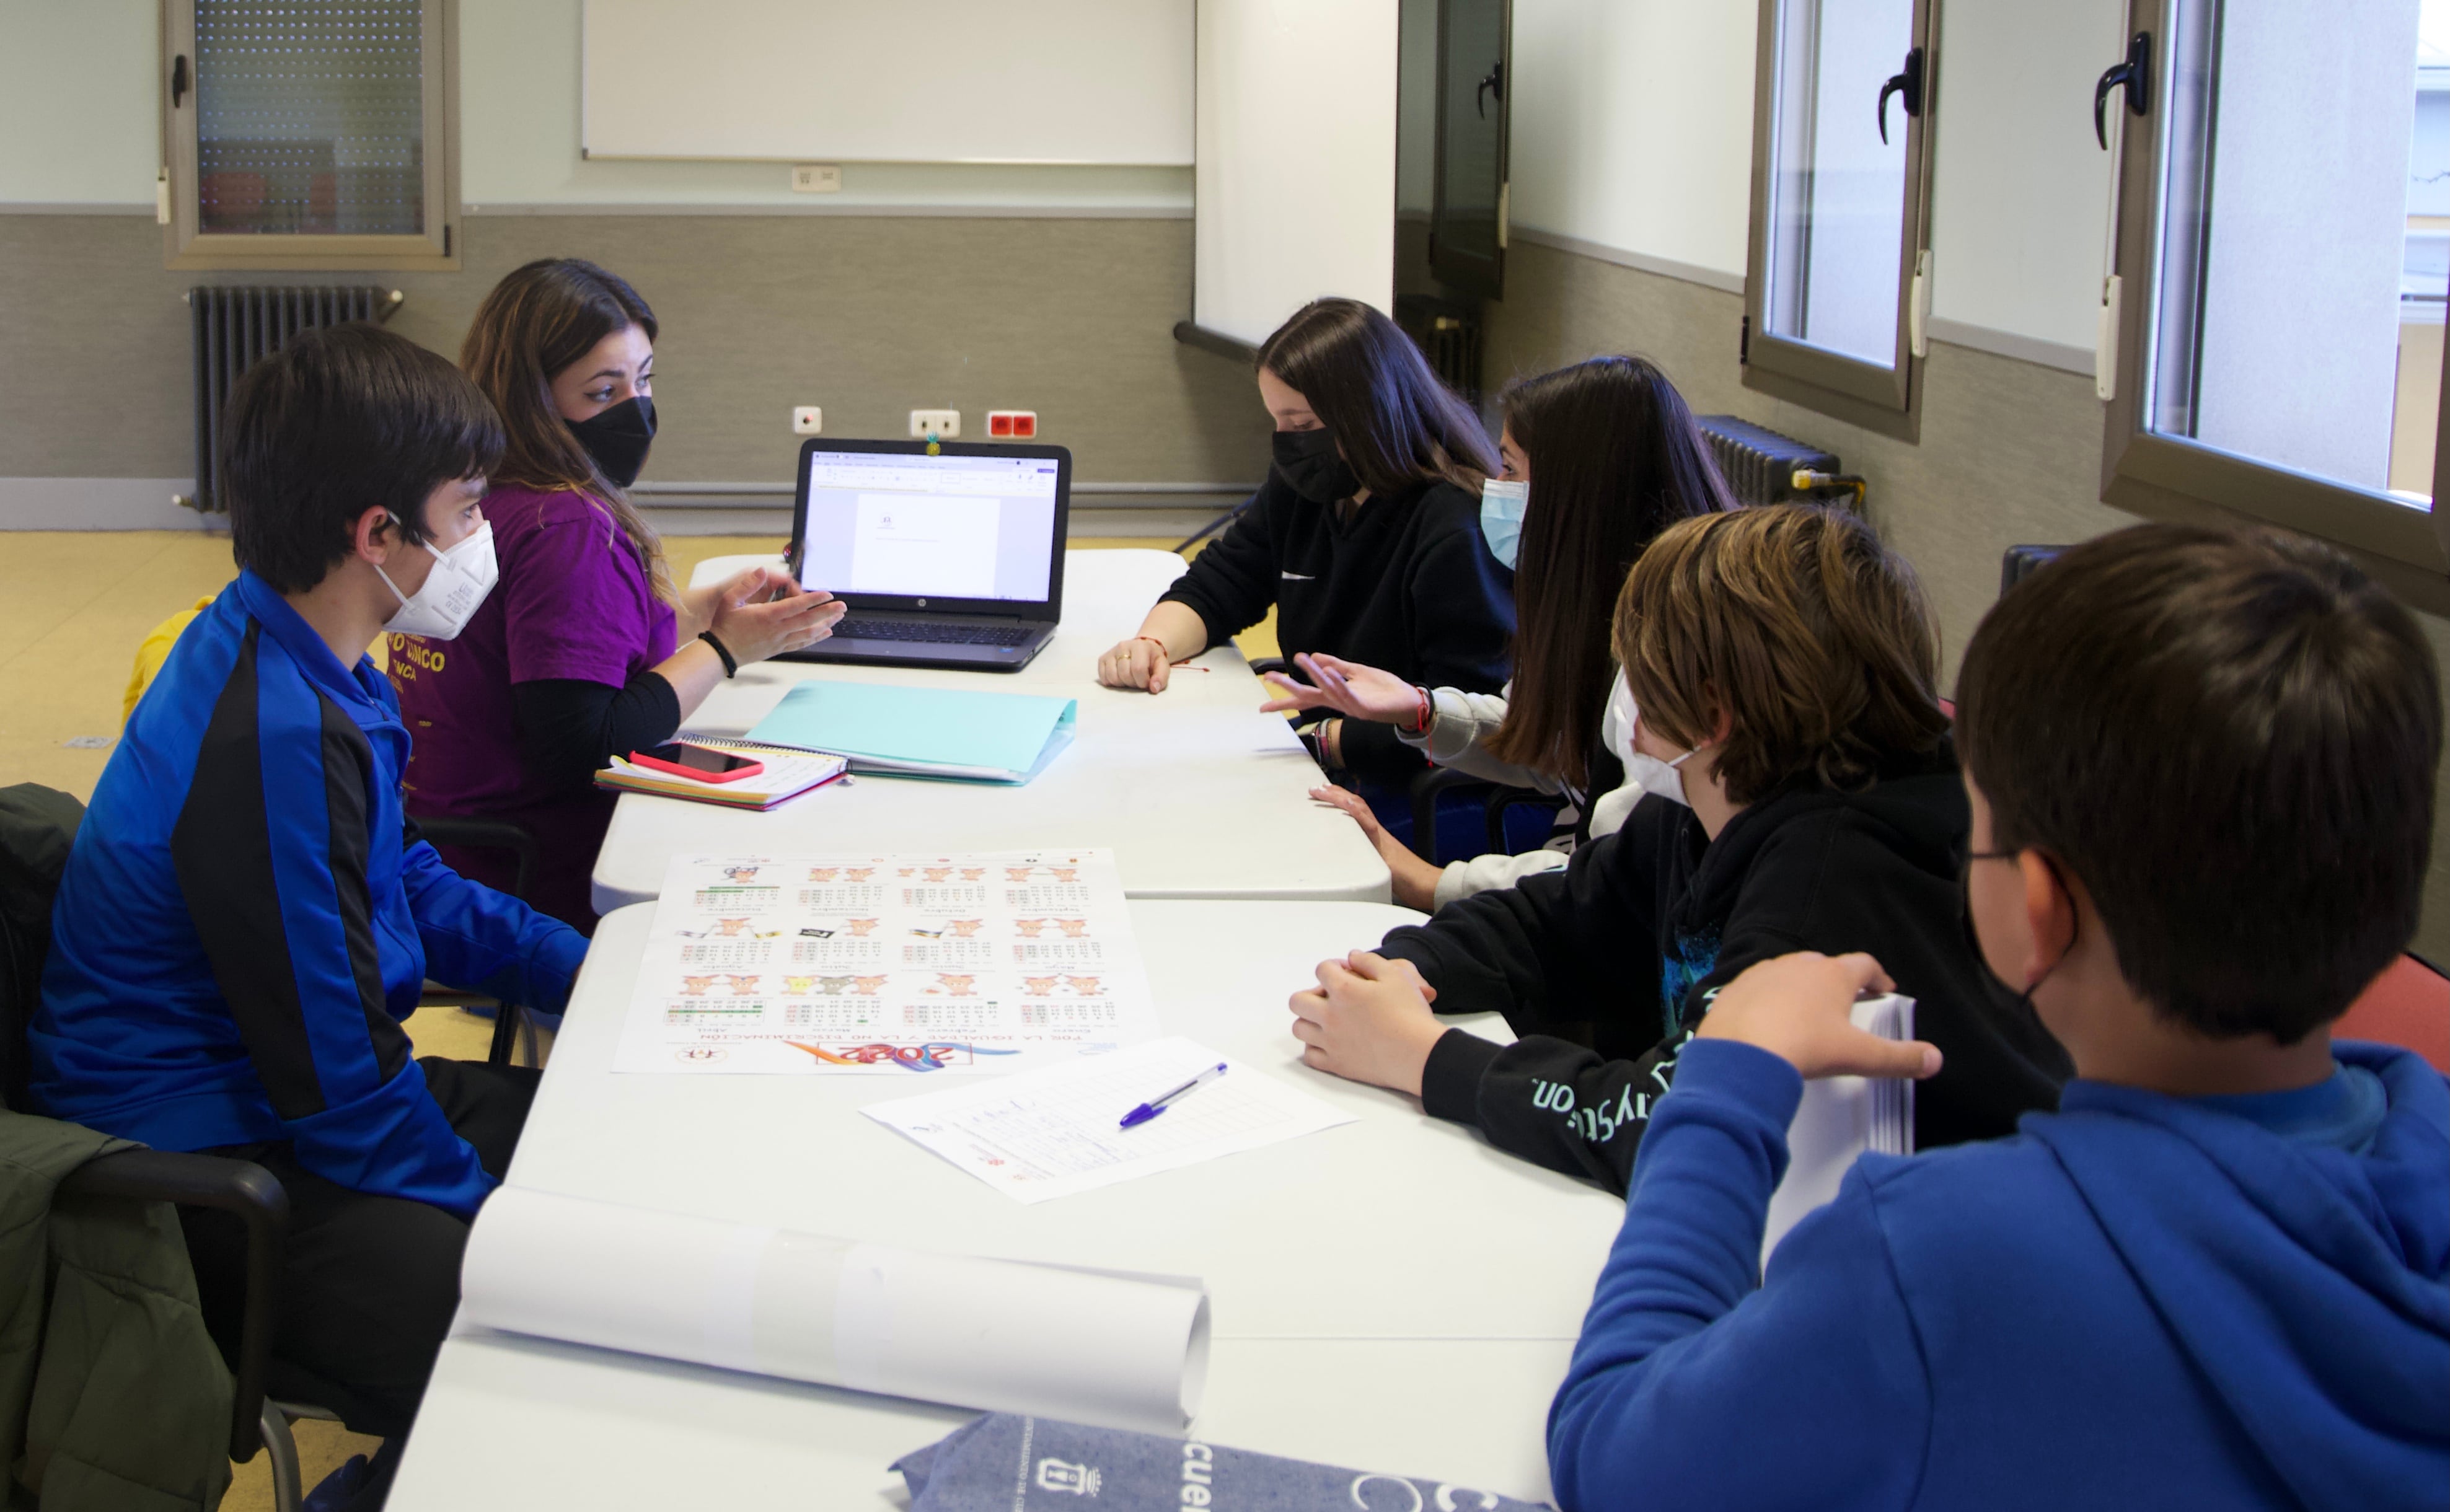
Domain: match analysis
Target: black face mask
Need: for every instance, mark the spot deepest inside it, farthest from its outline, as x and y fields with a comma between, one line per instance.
x=2022, y=996
x=618, y=438
x=1309, y=463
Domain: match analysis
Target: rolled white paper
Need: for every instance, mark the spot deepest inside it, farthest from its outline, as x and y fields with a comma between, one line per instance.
x=1091, y=1347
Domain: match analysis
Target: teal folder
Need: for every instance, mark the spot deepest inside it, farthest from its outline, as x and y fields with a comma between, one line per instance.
x=922, y=732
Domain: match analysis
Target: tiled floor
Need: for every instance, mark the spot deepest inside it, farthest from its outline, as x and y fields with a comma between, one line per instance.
x=76, y=606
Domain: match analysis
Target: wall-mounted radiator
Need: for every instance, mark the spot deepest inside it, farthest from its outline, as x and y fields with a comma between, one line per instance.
x=1761, y=465
x=235, y=328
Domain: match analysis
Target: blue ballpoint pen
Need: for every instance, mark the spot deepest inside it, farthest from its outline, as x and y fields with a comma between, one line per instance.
x=1157, y=1105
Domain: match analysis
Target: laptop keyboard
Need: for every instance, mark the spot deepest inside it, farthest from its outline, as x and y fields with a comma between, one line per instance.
x=936, y=631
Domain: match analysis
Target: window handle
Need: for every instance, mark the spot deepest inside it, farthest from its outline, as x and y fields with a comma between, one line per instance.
x=1492, y=85
x=1907, y=83
x=177, y=80
x=2134, y=76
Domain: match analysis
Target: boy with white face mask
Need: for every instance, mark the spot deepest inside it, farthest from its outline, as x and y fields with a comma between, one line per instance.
x=1804, y=797
x=247, y=916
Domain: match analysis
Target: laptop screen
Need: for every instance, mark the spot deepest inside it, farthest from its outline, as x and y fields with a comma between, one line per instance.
x=947, y=527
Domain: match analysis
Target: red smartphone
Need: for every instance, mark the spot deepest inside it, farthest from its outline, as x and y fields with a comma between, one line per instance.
x=704, y=763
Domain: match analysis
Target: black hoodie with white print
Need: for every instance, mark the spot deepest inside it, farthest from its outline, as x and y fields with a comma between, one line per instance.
x=1605, y=969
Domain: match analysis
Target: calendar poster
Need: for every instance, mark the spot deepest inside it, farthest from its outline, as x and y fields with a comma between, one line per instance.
x=887, y=965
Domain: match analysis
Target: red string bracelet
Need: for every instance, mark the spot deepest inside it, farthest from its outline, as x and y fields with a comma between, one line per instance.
x=1427, y=711
x=1165, y=655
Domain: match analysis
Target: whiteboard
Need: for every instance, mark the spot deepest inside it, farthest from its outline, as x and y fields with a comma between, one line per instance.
x=880, y=81
x=1294, y=195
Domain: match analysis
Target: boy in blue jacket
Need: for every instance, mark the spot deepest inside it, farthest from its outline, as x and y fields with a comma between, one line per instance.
x=248, y=915
x=2202, y=770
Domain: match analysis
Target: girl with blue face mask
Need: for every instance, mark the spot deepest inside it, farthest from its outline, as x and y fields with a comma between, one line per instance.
x=1596, y=460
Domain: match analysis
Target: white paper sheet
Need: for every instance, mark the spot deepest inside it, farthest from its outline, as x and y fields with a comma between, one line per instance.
x=995, y=1334
x=1053, y=1133
x=887, y=965
x=1838, y=1118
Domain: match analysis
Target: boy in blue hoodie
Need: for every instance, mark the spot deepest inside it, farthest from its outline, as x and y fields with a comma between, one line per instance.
x=2202, y=772
x=248, y=915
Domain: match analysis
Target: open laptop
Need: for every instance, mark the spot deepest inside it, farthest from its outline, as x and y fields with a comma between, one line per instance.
x=951, y=558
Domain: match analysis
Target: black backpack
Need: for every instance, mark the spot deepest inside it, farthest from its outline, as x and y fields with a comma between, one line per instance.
x=37, y=827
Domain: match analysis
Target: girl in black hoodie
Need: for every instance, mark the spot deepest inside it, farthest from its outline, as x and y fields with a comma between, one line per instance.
x=1365, y=538
x=1806, y=797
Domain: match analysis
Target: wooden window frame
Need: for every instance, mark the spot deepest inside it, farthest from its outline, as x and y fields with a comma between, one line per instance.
x=186, y=246
x=2170, y=477
x=1884, y=399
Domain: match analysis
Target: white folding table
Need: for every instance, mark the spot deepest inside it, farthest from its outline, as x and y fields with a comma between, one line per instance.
x=1391, y=1294
x=1198, y=794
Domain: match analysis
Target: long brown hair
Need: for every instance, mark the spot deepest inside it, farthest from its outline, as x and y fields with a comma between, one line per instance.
x=1397, y=426
x=539, y=321
x=1795, y=623
x=1615, y=459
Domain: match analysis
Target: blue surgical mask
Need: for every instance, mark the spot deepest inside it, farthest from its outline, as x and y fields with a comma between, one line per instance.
x=1502, y=503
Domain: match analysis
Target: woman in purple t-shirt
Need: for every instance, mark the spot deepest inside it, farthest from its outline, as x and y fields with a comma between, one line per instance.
x=573, y=658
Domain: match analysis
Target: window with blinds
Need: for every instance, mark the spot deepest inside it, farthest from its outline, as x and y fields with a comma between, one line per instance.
x=309, y=135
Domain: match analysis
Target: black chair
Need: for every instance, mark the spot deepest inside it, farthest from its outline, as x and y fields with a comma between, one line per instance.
x=1429, y=787
x=29, y=873
x=2020, y=562
x=1497, y=801
x=1214, y=526
x=495, y=834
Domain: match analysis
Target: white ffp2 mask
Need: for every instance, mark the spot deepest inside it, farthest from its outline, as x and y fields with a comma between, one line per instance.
x=1646, y=772
x=459, y=581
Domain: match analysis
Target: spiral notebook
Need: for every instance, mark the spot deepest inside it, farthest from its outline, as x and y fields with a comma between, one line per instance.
x=789, y=773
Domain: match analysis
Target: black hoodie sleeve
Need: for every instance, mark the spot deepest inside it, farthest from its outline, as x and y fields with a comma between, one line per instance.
x=1822, y=883
x=1463, y=618
x=569, y=728
x=1232, y=584
x=1558, y=949
x=1546, y=1098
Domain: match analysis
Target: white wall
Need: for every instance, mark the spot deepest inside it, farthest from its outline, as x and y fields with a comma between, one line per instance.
x=79, y=117
x=1633, y=131
x=1295, y=143
x=80, y=123
x=519, y=113
x=1633, y=126
x=2020, y=191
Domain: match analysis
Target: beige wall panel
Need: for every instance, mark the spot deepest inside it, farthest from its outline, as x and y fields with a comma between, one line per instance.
x=93, y=340
x=869, y=316
x=2011, y=452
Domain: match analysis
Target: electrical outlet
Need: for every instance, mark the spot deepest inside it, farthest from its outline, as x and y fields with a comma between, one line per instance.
x=944, y=425
x=807, y=419
x=816, y=177
x=1016, y=425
